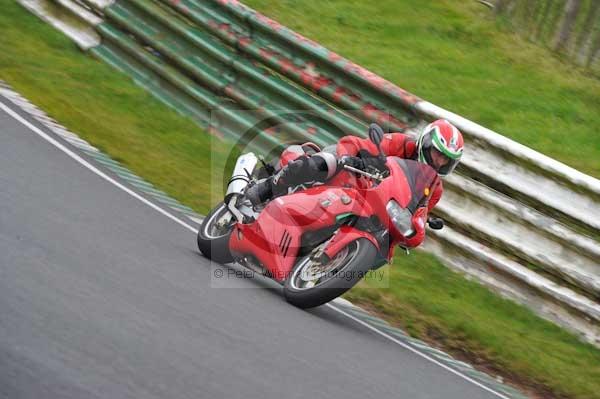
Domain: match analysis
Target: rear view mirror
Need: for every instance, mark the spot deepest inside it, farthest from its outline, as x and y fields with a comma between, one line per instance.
x=375, y=134
x=435, y=223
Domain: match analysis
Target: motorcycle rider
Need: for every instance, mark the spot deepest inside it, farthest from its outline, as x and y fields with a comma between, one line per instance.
x=440, y=145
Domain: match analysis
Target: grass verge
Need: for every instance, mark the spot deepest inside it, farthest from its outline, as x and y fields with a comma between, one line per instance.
x=425, y=298
x=432, y=303
x=452, y=54
x=107, y=109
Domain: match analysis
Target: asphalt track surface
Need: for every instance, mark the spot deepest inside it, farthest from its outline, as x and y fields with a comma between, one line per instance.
x=102, y=296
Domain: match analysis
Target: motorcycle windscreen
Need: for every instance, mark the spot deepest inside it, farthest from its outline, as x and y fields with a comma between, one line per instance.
x=421, y=179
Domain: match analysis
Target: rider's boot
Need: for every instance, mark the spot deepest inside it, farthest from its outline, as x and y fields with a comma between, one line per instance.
x=304, y=169
x=261, y=191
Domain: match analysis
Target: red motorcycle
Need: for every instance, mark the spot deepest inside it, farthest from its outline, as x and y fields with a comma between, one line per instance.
x=320, y=241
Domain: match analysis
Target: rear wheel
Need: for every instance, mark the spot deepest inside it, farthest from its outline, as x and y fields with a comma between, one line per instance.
x=214, y=233
x=312, y=283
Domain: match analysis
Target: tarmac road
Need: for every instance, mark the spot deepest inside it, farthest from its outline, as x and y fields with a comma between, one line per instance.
x=101, y=296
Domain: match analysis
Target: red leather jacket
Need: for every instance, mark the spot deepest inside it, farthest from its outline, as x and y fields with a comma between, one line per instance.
x=394, y=144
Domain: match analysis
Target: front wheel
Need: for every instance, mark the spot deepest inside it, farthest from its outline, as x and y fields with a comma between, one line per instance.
x=214, y=233
x=312, y=283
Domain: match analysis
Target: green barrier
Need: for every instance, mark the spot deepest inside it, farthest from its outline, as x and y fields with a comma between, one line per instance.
x=217, y=77
x=347, y=85
x=200, y=67
x=151, y=82
x=181, y=93
x=284, y=93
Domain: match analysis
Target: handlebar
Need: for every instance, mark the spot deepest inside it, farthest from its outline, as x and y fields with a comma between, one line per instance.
x=362, y=172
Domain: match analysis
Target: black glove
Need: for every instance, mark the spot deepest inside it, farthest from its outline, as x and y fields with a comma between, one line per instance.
x=354, y=162
x=373, y=161
x=363, y=162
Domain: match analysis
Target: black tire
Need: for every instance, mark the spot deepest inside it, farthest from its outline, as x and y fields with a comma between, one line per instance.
x=214, y=247
x=351, y=270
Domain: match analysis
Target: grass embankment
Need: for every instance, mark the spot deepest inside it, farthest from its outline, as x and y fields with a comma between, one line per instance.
x=108, y=109
x=452, y=54
x=430, y=301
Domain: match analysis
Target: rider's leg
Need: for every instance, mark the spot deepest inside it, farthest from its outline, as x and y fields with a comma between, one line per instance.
x=304, y=169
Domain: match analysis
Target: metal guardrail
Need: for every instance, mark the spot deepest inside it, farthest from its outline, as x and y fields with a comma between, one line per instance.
x=520, y=222
x=70, y=18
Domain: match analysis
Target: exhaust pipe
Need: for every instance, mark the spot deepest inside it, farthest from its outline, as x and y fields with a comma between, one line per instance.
x=244, y=167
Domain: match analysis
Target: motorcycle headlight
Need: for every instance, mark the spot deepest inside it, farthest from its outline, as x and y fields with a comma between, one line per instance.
x=401, y=217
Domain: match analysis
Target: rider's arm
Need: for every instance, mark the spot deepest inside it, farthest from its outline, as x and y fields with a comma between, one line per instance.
x=351, y=145
x=396, y=144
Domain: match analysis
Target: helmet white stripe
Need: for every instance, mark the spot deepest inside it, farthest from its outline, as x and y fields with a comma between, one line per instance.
x=454, y=135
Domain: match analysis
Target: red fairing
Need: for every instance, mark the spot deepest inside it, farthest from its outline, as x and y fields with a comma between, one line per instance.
x=419, y=220
x=393, y=144
x=274, y=239
x=436, y=195
x=344, y=237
